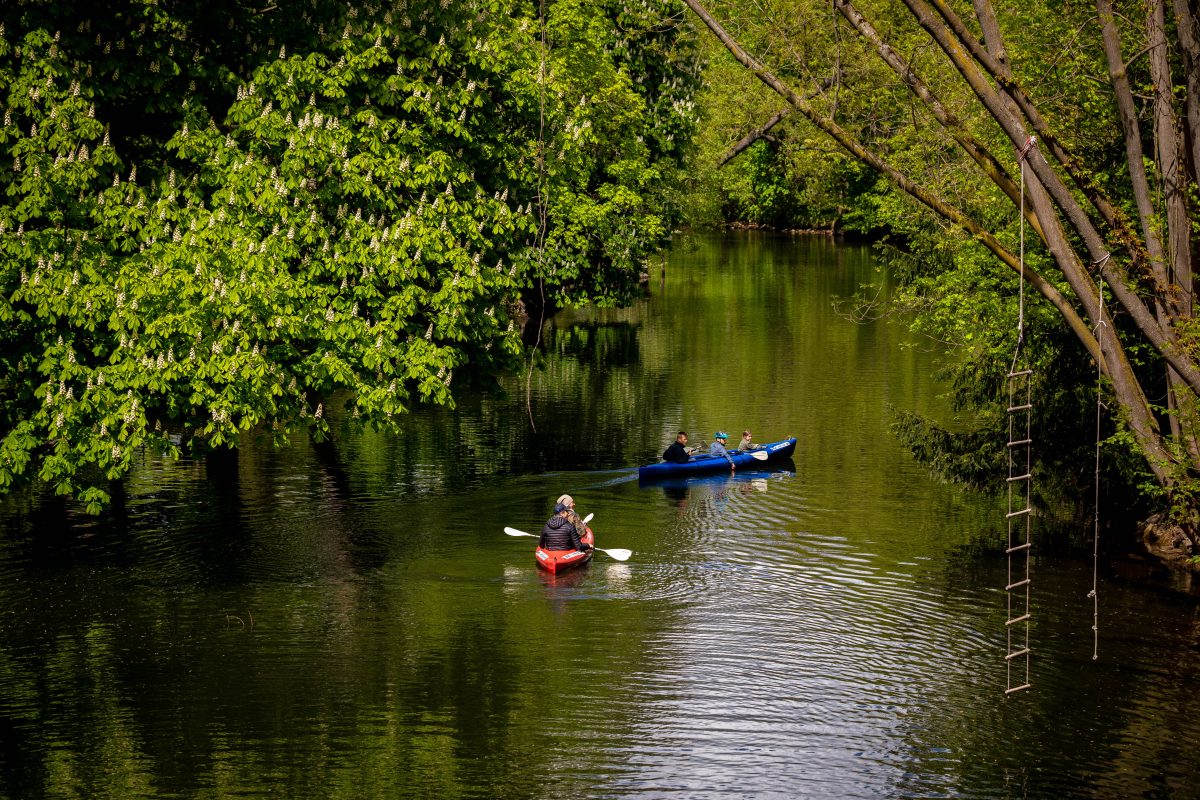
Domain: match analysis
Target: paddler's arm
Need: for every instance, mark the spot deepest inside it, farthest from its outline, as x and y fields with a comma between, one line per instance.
x=576, y=524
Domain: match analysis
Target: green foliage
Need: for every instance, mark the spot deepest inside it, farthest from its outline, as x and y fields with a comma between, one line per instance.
x=764, y=195
x=217, y=221
x=624, y=76
x=974, y=458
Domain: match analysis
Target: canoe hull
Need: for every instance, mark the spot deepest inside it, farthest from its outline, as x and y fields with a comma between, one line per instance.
x=776, y=469
x=698, y=465
x=556, y=561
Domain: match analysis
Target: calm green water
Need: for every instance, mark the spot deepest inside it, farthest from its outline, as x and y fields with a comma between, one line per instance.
x=351, y=622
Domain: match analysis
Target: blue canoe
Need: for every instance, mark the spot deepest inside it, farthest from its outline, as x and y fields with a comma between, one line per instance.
x=777, y=469
x=699, y=464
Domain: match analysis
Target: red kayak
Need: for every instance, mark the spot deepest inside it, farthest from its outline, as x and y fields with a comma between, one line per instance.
x=556, y=561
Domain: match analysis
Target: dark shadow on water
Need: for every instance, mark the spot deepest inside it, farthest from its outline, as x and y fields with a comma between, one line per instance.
x=360, y=542
x=564, y=580
x=677, y=489
x=562, y=587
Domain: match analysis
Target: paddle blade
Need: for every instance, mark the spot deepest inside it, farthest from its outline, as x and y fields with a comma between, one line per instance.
x=759, y=455
x=588, y=518
x=515, y=532
x=619, y=553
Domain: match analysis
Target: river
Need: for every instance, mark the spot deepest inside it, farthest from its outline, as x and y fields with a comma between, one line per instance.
x=351, y=621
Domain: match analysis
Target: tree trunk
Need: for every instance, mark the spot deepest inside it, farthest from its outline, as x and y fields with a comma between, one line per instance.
x=1166, y=131
x=1134, y=154
x=1187, y=28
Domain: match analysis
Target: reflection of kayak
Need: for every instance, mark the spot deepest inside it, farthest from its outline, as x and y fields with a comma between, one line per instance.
x=781, y=468
x=555, y=561
x=700, y=464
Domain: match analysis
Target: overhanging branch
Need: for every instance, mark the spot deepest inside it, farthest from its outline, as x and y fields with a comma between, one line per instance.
x=753, y=136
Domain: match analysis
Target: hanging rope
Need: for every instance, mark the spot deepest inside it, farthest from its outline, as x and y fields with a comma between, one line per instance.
x=1029, y=143
x=1094, y=593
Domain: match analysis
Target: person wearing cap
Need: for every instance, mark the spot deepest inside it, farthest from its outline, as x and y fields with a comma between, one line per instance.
x=746, y=444
x=565, y=530
x=717, y=448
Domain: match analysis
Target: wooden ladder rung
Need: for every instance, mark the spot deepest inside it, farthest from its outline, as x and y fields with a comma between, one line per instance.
x=1012, y=514
x=1024, y=477
x=1021, y=618
x=1018, y=547
x=1019, y=373
x=1016, y=585
x=1018, y=688
x=1020, y=442
x=1025, y=407
x=1022, y=652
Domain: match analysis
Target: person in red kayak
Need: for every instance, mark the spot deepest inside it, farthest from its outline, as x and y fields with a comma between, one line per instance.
x=565, y=530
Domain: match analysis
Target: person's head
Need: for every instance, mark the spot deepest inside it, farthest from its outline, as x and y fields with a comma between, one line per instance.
x=566, y=502
x=746, y=435
x=682, y=437
x=722, y=435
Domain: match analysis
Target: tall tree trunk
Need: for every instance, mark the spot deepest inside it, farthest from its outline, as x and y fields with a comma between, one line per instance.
x=1177, y=390
x=1134, y=154
x=1043, y=184
x=1170, y=166
x=1135, y=160
x=1174, y=177
x=1187, y=28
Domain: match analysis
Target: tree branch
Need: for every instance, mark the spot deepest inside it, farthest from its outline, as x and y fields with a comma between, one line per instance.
x=752, y=137
x=1001, y=73
x=980, y=154
x=761, y=132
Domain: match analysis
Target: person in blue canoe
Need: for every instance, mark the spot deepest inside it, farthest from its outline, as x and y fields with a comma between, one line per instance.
x=746, y=443
x=679, y=452
x=565, y=530
x=717, y=448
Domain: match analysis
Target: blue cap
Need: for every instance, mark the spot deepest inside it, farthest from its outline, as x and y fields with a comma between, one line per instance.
x=720, y=435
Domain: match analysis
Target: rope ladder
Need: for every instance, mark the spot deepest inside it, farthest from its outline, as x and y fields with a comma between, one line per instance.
x=1020, y=525
x=1020, y=490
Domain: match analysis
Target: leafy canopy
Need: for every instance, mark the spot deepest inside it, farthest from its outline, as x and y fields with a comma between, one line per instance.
x=215, y=220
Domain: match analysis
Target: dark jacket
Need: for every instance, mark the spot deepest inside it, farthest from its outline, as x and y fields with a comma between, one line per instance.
x=676, y=453
x=560, y=534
